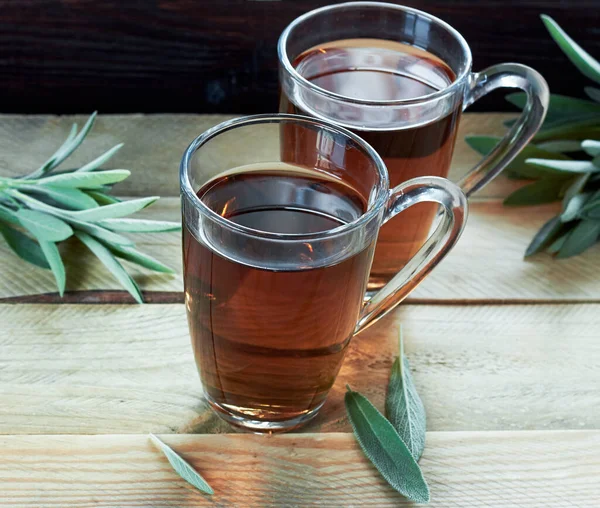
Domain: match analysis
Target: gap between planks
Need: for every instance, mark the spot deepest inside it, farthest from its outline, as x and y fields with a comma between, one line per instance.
x=466, y=469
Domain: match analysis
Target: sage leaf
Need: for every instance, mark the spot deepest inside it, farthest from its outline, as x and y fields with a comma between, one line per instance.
x=403, y=406
x=24, y=247
x=100, y=233
x=567, y=166
x=182, y=467
x=86, y=180
x=537, y=193
x=560, y=107
x=560, y=146
x=113, y=211
x=557, y=244
x=140, y=225
x=57, y=266
x=48, y=165
x=109, y=261
x=575, y=187
x=101, y=198
x=582, y=236
x=485, y=144
x=43, y=226
x=96, y=163
x=574, y=206
x=72, y=198
x=385, y=449
x=8, y=216
x=591, y=147
x=572, y=130
x=586, y=64
x=545, y=236
x=139, y=258
x=592, y=93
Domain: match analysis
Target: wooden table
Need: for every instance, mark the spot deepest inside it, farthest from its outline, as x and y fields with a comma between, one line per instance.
x=505, y=353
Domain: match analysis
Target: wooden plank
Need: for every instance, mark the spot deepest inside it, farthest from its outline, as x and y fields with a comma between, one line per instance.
x=466, y=469
x=130, y=369
x=202, y=55
x=486, y=265
x=154, y=145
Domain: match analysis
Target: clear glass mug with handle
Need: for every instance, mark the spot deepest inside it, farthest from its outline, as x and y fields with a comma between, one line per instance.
x=278, y=240
x=400, y=78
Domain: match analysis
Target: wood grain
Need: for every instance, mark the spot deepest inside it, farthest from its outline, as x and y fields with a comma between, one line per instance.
x=206, y=56
x=466, y=469
x=486, y=265
x=130, y=369
x=154, y=145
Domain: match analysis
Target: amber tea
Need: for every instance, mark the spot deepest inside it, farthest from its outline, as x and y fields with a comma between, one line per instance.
x=268, y=342
x=379, y=70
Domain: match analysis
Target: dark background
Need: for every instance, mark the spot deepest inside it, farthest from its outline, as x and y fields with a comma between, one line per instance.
x=211, y=56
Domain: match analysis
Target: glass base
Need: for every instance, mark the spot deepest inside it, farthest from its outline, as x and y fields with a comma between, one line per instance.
x=263, y=425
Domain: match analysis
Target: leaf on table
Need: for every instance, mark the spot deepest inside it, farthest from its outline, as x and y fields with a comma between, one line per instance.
x=139, y=258
x=109, y=261
x=485, y=144
x=592, y=93
x=581, y=237
x=591, y=147
x=575, y=187
x=586, y=64
x=48, y=165
x=565, y=166
x=403, y=406
x=536, y=193
x=114, y=211
x=574, y=206
x=545, y=236
x=57, y=266
x=591, y=208
x=182, y=467
x=101, y=233
x=101, y=198
x=557, y=244
x=571, y=130
x=140, y=225
x=560, y=108
x=86, y=180
x=385, y=449
x=72, y=198
x=43, y=226
x=96, y=163
x=24, y=247
x=8, y=216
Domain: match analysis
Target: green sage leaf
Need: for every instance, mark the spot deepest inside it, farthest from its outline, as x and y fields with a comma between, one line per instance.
x=86, y=180
x=575, y=187
x=570, y=130
x=101, y=198
x=403, y=406
x=73, y=198
x=24, y=247
x=586, y=64
x=8, y=216
x=49, y=164
x=537, y=193
x=560, y=146
x=581, y=237
x=560, y=108
x=57, y=266
x=139, y=258
x=113, y=211
x=545, y=236
x=109, y=261
x=385, y=449
x=43, y=226
x=591, y=147
x=100, y=233
x=574, y=206
x=485, y=144
x=592, y=93
x=557, y=244
x=182, y=467
x=96, y=163
x=565, y=166
x=140, y=225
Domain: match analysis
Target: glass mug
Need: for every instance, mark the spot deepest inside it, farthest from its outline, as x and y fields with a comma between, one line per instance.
x=277, y=248
x=400, y=79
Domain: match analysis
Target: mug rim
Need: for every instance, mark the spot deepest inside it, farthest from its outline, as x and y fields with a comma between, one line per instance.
x=302, y=81
x=187, y=191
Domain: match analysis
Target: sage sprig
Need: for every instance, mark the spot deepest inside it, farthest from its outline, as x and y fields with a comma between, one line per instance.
x=46, y=207
x=394, y=445
x=403, y=406
x=563, y=160
x=182, y=467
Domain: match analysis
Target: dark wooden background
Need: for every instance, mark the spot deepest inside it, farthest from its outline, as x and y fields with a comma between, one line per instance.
x=74, y=56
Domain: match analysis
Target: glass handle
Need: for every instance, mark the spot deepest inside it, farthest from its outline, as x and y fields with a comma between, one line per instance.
x=506, y=75
x=430, y=189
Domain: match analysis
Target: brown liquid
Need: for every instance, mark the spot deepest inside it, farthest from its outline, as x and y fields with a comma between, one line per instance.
x=268, y=342
x=384, y=70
